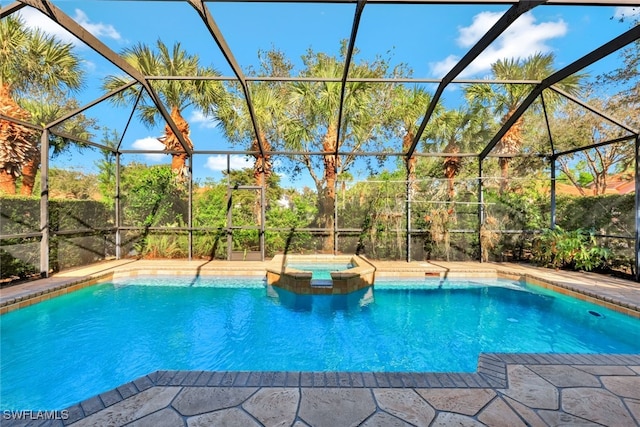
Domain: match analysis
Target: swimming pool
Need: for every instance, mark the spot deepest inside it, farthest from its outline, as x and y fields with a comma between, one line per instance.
x=61, y=351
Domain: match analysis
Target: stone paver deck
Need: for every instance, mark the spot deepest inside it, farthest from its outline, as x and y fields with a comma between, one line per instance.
x=506, y=390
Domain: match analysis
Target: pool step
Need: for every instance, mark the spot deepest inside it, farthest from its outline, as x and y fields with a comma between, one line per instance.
x=321, y=283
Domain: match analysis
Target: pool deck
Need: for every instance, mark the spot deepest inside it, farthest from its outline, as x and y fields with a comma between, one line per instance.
x=506, y=389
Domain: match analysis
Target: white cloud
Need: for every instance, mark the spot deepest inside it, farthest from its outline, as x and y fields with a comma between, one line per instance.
x=204, y=121
x=441, y=68
x=98, y=29
x=90, y=66
x=33, y=18
x=626, y=12
x=219, y=163
x=481, y=23
x=152, y=144
x=523, y=38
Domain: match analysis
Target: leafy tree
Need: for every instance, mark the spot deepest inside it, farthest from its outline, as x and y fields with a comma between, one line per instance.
x=107, y=165
x=618, y=93
x=297, y=210
x=578, y=128
x=30, y=62
x=627, y=76
x=177, y=94
x=151, y=197
x=210, y=204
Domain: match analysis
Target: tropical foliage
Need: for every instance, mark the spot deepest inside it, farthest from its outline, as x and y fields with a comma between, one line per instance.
x=41, y=71
x=576, y=249
x=434, y=201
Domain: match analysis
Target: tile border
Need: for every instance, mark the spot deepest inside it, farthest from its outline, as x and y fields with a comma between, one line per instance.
x=37, y=296
x=578, y=293
x=491, y=373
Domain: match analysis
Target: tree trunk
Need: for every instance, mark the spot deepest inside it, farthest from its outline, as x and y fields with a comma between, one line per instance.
x=599, y=183
x=451, y=167
x=29, y=172
x=7, y=182
x=262, y=163
x=261, y=172
x=328, y=195
x=510, y=144
x=565, y=168
x=17, y=144
x=179, y=163
x=172, y=143
x=504, y=173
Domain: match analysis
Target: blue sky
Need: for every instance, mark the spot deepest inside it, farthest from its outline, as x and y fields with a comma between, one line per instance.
x=429, y=38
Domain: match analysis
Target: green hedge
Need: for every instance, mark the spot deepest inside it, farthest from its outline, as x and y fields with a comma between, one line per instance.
x=20, y=257
x=609, y=214
x=19, y=215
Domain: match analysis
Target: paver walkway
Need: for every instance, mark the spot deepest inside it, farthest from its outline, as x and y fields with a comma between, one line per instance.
x=507, y=389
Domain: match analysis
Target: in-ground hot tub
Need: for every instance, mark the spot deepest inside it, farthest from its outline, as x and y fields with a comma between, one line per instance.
x=335, y=275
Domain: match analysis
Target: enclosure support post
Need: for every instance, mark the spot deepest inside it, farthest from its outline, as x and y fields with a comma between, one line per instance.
x=408, y=218
x=263, y=219
x=637, y=206
x=553, y=192
x=229, y=219
x=229, y=205
x=117, y=208
x=335, y=219
x=190, y=208
x=480, y=208
x=44, y=203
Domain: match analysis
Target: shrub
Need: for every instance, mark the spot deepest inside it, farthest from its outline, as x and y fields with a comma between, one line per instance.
x=576, y=249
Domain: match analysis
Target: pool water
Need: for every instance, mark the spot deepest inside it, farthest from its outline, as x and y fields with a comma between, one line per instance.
x=64, y=350
x=321, y=271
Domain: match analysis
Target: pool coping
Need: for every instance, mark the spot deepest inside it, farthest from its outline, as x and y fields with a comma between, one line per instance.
x=491, y=374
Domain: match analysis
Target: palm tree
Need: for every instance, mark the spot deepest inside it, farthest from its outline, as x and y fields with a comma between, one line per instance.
x=31, y=63
x=268, y=101
x=314, y=123
x=457, y=130
x=408, y=106
x=177, y=94
x=505, y=99
x=452, y=164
